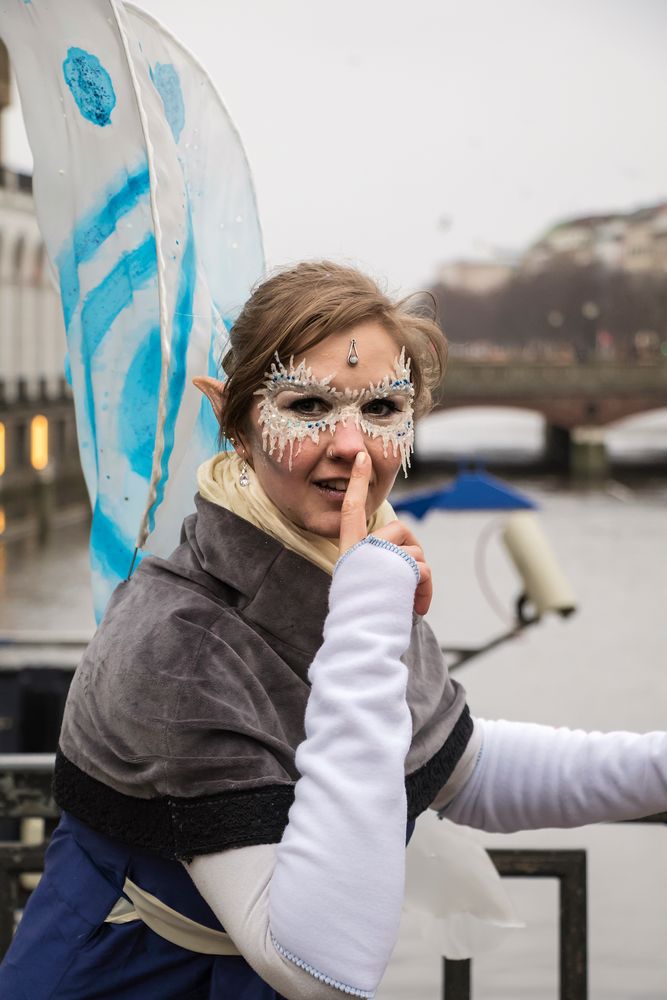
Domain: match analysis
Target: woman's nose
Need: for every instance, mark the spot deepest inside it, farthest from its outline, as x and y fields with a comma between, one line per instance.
x=348, y=441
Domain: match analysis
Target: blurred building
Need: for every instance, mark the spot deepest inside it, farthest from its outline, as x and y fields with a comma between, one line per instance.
x=646, y=240
x=478, y=277
x=38, y=447
x=633, y=242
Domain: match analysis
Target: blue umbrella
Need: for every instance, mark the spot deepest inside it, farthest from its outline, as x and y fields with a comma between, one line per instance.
x=471, y=490
x=475, y=490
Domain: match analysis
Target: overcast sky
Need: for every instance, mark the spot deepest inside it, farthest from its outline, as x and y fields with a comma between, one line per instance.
x=398, y=135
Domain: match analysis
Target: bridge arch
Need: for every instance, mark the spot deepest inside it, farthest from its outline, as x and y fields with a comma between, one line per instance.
x=641, y=437
x=471, y=432
x=515, y=434
x=452, y=407
x=656, y=415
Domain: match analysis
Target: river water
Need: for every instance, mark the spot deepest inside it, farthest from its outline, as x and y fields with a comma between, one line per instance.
x=603, y=668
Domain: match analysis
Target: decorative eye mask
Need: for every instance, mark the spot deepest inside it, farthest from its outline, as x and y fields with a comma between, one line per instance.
x=296, y=405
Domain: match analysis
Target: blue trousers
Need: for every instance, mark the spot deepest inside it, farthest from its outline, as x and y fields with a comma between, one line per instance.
x=63, y=949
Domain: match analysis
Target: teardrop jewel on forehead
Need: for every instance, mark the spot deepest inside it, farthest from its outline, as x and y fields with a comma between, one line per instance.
x=352, y=356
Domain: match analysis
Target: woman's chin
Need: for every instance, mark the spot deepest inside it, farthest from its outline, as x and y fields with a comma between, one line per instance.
x=325, y=524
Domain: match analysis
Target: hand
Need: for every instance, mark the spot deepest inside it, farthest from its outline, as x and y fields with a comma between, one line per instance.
x=400, y=535
x=353, y=530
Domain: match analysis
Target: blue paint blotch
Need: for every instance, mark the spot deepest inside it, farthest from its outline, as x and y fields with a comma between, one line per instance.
x=90, y=85
x=67, y=369
x=168, y=86
x=137, y=410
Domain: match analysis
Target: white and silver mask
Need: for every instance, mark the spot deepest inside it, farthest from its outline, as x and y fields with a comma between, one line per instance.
x=296, y=405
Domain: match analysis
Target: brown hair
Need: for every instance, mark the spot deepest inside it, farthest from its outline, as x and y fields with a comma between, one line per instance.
x=296, y=308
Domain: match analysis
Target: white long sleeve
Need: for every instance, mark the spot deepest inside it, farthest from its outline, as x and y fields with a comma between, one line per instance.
x=530, y=776
x=318, y=914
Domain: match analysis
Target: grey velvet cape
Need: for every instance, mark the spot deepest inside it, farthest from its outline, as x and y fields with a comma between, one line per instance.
x=184, y=715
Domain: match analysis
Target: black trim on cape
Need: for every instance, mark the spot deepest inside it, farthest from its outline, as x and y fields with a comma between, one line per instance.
x=423, y=785
x=181, y=828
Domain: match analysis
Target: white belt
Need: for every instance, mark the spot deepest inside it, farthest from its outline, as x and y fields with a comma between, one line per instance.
x=168, y=923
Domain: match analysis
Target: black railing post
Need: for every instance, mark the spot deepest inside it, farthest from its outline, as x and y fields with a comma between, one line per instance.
x=574, y=929
x=569, y=867
x=457, y=975
x=14, y=859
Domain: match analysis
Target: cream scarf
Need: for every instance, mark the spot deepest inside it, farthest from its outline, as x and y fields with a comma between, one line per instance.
x=218, y=480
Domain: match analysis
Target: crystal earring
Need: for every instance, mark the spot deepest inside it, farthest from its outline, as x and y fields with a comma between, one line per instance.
x=244, y=478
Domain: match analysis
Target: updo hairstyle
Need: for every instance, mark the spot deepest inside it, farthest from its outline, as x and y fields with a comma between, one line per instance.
x=296, y=308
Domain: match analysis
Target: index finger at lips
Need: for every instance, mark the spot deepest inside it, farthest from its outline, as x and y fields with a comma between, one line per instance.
x=353, y=511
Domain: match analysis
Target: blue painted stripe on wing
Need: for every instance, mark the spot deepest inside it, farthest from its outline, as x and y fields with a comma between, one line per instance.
x=110, y=549
x=111, y=555
x=137, y=406
x=105, y=302
x=168, y=85
x=119, y=198
x=115, y=292
x=207, y=420
x=177, y=369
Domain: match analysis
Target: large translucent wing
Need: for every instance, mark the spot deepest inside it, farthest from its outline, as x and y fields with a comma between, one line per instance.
x=141, y=241
x=223, y=227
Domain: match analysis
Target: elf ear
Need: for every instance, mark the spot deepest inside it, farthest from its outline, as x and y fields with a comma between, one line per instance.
x=213, y=389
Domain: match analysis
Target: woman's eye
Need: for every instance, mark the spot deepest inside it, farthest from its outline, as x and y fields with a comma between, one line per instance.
x=380, y=408
x=309, y=406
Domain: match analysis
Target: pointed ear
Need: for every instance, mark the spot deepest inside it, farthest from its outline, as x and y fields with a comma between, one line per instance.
x=213, y=389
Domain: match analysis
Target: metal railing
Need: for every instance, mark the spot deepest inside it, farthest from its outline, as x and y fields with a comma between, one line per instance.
x=569, y=867
x=25, y=792
x=15, y=860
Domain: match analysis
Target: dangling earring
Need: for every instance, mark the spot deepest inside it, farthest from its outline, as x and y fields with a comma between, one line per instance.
x=244, y=478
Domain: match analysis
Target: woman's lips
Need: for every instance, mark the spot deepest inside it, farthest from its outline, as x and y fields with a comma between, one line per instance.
x=332, y=489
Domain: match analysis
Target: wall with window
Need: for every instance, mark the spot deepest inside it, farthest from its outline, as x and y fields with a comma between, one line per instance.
x=37, y=424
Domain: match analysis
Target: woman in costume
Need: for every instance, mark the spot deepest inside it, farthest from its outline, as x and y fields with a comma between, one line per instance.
x=260, y=718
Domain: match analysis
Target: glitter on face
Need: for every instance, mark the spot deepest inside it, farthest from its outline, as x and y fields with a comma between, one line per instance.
x=296, y=405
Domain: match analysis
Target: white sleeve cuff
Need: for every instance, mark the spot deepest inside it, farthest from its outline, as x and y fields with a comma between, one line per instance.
x=380, y=543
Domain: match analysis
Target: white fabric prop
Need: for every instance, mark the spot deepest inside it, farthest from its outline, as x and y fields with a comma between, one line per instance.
x=147, y=208
x=453, y=895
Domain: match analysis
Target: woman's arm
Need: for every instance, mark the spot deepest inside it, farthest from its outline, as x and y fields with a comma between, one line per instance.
x=529, y=776
x=318, y=914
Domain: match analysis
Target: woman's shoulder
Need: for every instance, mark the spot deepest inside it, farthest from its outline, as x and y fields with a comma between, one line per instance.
x=165, y=650
x=160, y=614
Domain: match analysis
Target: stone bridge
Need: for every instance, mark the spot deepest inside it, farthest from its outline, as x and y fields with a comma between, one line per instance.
x=589, y=394
x=575, y=399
